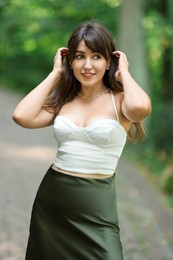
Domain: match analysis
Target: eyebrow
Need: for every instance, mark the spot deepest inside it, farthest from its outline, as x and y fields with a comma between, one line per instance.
x=80, y=51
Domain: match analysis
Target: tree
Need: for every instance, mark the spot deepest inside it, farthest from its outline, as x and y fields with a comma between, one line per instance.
x=31, y=31
x=158, y=25
x=131, y=35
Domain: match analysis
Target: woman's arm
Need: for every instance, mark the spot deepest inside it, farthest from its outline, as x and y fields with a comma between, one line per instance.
x=136, y=104
x=29, y=112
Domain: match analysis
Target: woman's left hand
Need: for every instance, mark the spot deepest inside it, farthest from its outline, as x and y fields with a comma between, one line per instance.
x=122, y=65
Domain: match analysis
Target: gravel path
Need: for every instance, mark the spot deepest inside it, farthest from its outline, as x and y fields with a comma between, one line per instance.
x=146, y=219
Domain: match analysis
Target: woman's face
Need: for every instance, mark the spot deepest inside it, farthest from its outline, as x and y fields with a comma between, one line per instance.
x=89, y=67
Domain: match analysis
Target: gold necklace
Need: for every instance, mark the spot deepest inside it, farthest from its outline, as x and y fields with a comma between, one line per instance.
x=90, y=98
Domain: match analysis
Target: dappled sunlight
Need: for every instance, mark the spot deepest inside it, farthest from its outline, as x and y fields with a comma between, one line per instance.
x=113, y=3
x=30, y=45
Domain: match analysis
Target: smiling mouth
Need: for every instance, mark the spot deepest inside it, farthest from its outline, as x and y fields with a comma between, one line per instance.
x=88, y=74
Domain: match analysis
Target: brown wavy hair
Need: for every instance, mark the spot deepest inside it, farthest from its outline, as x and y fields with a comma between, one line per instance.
x=98, y=39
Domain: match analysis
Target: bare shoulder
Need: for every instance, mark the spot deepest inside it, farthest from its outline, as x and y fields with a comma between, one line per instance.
x=118, y=97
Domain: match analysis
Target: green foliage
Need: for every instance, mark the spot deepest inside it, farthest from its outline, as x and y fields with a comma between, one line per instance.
x=157, y=23
x=162, y=126
x=31, y=31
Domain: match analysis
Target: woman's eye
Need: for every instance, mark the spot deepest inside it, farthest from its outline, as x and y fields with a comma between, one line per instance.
x=79, y=56
x=96, y=56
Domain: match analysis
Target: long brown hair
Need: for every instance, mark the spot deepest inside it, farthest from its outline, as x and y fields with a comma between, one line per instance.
x=98, y=39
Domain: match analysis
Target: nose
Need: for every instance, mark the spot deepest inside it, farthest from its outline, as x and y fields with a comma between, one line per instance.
x=88, y=64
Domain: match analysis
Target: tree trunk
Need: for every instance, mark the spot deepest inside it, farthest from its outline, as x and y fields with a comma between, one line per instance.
x=132, y=40
x=131, y=35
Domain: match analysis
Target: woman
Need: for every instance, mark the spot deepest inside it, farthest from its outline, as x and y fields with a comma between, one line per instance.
x=93, y=103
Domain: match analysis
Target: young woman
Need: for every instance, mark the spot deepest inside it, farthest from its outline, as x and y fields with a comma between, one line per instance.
x=93, y=103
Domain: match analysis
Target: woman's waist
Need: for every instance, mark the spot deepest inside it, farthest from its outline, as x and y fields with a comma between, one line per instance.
x=83, y=175
x=88, y=165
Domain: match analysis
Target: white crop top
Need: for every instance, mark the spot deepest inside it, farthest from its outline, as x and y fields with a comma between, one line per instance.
x=94, y=149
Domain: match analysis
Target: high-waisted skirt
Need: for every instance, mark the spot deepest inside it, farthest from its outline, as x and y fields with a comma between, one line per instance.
x=74, y=218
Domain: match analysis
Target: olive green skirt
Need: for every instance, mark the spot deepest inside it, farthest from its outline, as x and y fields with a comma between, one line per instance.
x=74, y=218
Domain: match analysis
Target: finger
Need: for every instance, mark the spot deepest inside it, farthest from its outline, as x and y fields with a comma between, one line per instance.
x=62, y=51
x=118, y=53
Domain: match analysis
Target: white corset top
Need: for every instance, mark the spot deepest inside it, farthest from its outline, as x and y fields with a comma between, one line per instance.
x=94, y=149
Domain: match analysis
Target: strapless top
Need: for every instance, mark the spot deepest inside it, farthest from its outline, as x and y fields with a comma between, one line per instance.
x=94, y=149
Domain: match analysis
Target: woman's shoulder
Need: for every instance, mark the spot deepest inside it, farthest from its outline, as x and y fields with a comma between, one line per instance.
x=118, y=97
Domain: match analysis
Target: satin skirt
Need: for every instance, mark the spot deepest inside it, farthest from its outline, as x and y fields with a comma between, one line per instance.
x=74, y=218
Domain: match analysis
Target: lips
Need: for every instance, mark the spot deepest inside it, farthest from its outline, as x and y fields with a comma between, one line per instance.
x=88, y=75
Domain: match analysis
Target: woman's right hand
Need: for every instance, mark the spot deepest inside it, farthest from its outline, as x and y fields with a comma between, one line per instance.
x=29, y=112
x=58, y=59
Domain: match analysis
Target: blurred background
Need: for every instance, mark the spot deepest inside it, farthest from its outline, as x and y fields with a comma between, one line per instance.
x=31, y=31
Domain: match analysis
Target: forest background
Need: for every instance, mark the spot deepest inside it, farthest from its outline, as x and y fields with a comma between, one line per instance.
x=31, y=31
